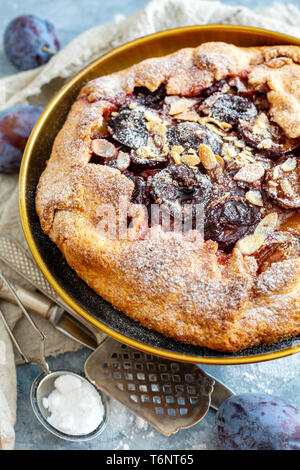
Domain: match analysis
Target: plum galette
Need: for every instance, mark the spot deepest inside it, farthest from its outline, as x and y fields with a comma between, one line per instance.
x=216, y=128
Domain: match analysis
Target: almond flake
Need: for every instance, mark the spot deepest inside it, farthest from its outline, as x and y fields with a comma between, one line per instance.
x=221, y=124
x=191, y=116
x=150, y=116
x=230, y=151
x=215, y=129
x=190, y=159
x=250, y=173
x=220, y=160
x=191, y=151
x=156, y=127
x=181, y=105
x=146, y=152
x=250, y=244
x=289, y=164
x=260, y=124
x=103, y=148
x=265, y=144
x=132, y=105
x=276, y=172
x=207, y=157
x=123, y=161
x=254, y=197
x=287, y=188
x=177, y=148
x=267, y=225
x=177, y=158
x=175, y=153
x=239, y=143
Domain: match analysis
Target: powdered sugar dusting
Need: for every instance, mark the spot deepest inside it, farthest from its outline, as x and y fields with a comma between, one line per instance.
x=278, y=276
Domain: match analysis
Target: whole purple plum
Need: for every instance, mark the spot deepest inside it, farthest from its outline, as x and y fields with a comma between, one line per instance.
x=30, y=41
x=253, y=421
x=16, y=124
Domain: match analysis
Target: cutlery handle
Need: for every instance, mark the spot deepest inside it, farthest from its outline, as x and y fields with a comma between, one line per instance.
x=32, y=300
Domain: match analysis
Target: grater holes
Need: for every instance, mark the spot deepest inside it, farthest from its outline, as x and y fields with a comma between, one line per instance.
x=140, y=376
x=150, y=366
x=149, y=357
x=117, y=375
x=131, y=387
x=191, y=390
x=145, y=399
x=171, y=412
x=107, y=375
x=136, y=355
x=189, y=378
x=116, y=365
x=159, y=411
x=139, y=366
x=114, y=355
x=169, y=399
x=165, y=377
x=181, y=401
x=175, y=367
x=167, y=389
x=134, y=398
x=162, y=367
x=120, y=386
x=156, y=400
x=179, y=388
x=183, y=411
x=193, y=400
x=128, y=376
x=126, y=356
x=154, y=388
x=127, y=365
x=176, y=378
x=153, y=378
x=105, y=365
x=143, y=388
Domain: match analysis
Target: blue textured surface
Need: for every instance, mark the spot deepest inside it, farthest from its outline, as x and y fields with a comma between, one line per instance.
x=281, y=377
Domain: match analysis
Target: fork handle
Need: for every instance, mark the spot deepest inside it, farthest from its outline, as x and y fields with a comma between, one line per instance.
x=32, y=300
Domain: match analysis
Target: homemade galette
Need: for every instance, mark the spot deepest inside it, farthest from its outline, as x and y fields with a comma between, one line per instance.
x=210, y=134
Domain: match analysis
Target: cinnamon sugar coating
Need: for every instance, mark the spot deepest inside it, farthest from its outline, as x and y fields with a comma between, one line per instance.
x=172, y=282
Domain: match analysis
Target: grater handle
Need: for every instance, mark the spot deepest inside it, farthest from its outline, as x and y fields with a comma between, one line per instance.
x=32, y=300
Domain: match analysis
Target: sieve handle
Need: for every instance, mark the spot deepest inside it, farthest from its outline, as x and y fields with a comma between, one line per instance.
x=32, y=300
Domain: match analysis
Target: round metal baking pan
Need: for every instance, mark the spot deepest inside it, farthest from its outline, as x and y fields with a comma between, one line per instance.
x=48, y=257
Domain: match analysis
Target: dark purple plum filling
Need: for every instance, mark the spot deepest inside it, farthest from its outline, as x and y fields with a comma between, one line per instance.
x=159, y=180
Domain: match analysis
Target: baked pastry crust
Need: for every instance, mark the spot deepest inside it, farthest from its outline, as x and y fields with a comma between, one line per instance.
x=173, y=282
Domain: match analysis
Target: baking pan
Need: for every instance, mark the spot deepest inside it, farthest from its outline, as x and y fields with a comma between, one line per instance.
x=64, y=280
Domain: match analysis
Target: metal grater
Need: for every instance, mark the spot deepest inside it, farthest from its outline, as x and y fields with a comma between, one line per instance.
x=14, y=255
x=168, y=395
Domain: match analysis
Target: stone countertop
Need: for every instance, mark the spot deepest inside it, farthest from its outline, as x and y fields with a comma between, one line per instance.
x=124, y=430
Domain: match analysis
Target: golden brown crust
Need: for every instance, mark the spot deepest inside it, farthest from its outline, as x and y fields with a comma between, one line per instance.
x=171, y=282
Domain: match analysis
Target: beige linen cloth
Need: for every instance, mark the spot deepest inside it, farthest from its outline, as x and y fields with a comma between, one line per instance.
x=38, y=86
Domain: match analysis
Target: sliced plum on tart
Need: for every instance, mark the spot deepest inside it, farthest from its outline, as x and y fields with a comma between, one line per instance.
x=220, y=150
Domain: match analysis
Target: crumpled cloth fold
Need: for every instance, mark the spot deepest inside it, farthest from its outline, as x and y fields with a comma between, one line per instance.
x=38, y=86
